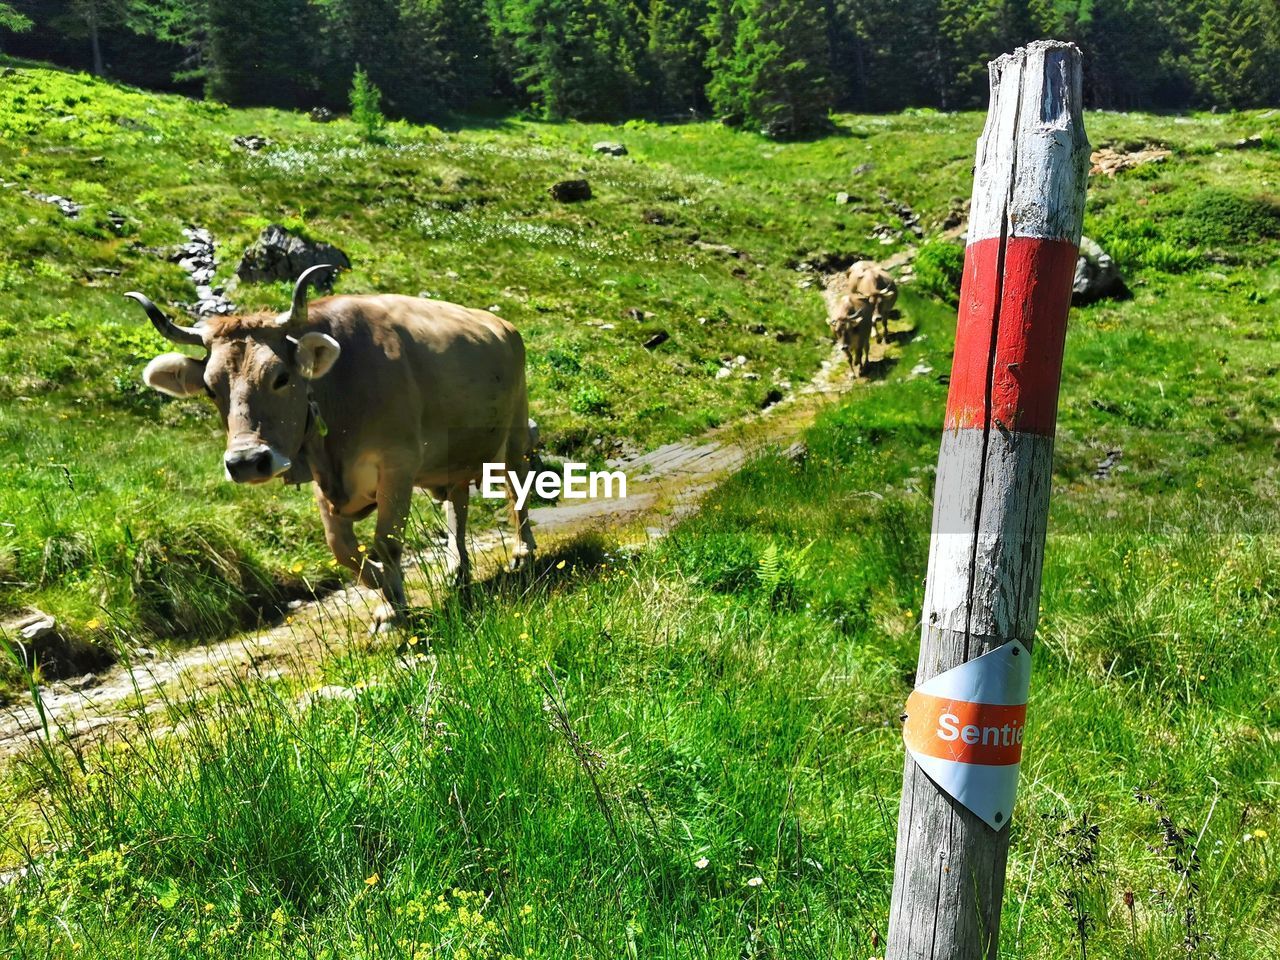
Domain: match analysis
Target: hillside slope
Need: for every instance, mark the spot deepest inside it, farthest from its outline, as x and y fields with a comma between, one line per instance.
x=116, y=515
x=691, y=751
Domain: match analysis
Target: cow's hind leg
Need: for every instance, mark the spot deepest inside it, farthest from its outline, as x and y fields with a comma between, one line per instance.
x=455, y=520
x=395, y=496
x=520, y=463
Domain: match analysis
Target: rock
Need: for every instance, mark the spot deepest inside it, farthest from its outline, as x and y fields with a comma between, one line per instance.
x=116, y=222
x=655, y=217
x=1097, y=275
x=772, y=397
x=759, y=329
x=278, y=254
x=79, y=684
x=797, y=453
x=1249, y=143
x=36, y=627
x=68, y=208
x=196, y=257
x=610, y=148
x=749, y=375
x=570, y=191
x=657, y=340
x=634, y=313
x=251, y=142
x=921, y=369
x=1108, y=463
x=862, y=168
x=724, y=372
x=1111, y=161
x=39, y=640
x=322, y=115
x=720, y=248
x=843, y=198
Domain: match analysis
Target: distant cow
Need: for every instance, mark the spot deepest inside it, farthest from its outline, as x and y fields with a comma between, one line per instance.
x=857, y=300
x=851, y=322
x=368, y=396
x=868, y=281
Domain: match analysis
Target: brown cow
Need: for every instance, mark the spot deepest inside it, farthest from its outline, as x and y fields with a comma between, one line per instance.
x=851, y=322
x=857, y=300
x=869, y=281
x=368, y=396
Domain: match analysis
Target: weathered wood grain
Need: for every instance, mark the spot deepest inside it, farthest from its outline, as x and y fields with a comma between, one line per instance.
x=994, y=471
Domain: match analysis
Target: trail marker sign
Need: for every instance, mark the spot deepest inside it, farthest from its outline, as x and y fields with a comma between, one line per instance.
x=964, y=729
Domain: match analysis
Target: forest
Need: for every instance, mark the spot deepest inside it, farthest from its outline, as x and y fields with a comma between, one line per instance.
x=778, y=66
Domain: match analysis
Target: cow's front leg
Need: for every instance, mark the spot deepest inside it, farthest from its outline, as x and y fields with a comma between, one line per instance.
x=455, y=520
x=395, y=496
x=340, y=534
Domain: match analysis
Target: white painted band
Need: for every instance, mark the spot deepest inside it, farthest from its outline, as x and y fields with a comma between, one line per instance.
x=1033, y=156
x=1006, y=476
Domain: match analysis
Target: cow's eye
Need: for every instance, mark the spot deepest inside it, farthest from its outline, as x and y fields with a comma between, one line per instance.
x=282, y=380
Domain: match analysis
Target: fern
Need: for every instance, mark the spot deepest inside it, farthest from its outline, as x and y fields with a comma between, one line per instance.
x=769, y=570
x=780, y=571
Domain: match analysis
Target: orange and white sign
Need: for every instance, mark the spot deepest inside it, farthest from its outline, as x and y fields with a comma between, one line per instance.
x=964, y=729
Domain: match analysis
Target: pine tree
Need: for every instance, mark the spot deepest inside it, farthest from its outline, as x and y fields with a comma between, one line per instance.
x=776, y=76
x=448, y=45
x=183, y=23
x=677, y=47
x=1235, y=67
x=12, y=20
x=574, y=58
x=259, y=51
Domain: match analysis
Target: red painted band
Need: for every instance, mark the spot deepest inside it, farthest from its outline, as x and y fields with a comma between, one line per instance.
x=1032, y=328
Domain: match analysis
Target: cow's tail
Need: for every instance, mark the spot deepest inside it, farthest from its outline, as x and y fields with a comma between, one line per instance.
x=535, y=438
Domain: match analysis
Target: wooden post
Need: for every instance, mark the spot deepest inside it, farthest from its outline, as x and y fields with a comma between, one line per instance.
x=994, y=469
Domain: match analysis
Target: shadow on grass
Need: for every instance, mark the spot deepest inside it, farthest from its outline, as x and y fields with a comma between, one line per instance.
x=550, y=570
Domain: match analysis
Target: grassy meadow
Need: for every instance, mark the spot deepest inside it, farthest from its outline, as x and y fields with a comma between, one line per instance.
x=690, y=749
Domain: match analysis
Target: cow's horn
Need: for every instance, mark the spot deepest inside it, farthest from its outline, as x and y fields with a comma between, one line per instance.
x=167, y=328
x=298, y=312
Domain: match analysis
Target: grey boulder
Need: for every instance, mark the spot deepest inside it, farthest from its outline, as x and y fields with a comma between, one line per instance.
x=279, y=254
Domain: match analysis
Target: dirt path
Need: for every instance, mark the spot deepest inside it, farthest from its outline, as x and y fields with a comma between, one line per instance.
x=663, y=485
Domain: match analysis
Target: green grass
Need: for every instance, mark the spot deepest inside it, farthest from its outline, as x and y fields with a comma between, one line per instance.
x=690, y=751
x=694, y=751
x=101, y=471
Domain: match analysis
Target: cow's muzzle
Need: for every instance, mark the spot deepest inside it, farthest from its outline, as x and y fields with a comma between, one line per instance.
x=256, y=464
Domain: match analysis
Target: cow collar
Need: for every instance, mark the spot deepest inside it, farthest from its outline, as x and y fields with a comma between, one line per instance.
x=312, y=462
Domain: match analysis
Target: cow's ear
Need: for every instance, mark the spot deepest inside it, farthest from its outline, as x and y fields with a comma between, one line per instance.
x=316, y=354
x=175, y=374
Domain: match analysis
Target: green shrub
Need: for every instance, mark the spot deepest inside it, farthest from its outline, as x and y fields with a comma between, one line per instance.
x=366, y=105
x=589, y=399
x=1162, y=255
x=196, y=581
x=939, y=267
x=1216, y=216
